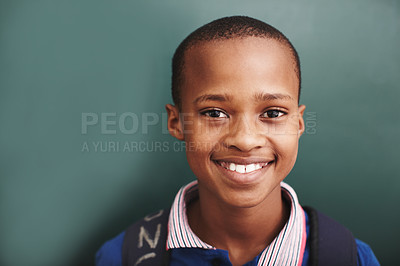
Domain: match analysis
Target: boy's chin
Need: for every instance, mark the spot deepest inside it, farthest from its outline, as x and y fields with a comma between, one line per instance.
x=248, y=199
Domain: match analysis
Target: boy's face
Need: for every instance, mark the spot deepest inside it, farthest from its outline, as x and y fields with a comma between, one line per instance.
x=240, y=118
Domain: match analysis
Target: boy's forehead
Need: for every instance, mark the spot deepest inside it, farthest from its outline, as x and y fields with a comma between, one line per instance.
x=222, y=61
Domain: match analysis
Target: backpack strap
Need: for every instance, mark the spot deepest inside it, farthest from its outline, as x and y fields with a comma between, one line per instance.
x=145, y=241
x=331, y=243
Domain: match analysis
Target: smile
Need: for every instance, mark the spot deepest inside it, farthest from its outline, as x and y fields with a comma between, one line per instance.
x=242, y=168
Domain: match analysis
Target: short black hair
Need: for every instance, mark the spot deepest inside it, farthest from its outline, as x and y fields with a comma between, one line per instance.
x=234, y=27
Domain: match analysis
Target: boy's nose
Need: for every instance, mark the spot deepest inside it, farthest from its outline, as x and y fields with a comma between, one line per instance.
x=245, y=135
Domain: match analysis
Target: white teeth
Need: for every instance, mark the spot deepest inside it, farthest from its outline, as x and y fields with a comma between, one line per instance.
x=250, y=168
x=240, y=168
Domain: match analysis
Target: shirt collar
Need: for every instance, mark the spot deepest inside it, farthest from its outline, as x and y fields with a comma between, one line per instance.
x=286, y=249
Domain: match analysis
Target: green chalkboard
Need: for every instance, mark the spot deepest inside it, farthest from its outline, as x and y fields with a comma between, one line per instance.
x=83, y=144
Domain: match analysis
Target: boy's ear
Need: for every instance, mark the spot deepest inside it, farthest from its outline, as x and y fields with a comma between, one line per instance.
x=301, y=119
x=174, y=122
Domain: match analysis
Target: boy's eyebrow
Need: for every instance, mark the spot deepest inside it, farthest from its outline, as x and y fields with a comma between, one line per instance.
x=272, y=96
x=212, y=97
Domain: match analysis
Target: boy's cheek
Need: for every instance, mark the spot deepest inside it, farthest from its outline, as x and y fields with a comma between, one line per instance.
x=288, y=155
x=186, y=120
x=280, y=130
x=288, y=127
x=203, y=129
x=199, y=144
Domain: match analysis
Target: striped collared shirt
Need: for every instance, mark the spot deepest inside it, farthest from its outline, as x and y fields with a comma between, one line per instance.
x=286, y=249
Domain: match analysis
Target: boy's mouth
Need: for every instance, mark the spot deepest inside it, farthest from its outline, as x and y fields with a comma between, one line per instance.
x=242, y=168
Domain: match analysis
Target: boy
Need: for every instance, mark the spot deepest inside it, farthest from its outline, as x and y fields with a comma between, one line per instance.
x=236, y=87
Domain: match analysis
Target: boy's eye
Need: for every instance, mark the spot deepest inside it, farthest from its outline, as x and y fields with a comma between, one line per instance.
x=214, y=114
x=273, y=114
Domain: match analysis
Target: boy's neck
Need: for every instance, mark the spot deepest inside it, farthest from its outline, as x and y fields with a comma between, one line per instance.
x=244, y=232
